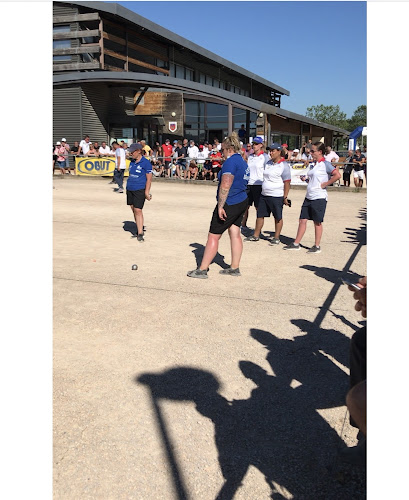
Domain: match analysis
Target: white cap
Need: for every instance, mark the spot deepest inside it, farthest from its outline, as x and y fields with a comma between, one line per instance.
x=63, y=139
x=58, y=143
x=296, y=151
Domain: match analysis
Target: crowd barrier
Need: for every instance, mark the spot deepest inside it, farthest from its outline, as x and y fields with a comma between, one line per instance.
x=105, y=166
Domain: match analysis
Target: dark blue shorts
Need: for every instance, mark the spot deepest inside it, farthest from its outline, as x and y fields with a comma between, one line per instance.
x=271, y=205
x=253, y=194
x=313, y=209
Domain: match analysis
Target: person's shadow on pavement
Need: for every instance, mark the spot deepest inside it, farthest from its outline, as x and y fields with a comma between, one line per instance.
x=199, y=251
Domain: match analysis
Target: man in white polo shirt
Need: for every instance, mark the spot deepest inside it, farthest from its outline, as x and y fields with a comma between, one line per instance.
x=104, y=150
x=256, y=162
x=119, y=166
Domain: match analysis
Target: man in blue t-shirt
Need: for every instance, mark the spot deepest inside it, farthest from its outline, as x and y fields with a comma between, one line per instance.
x=138, y=186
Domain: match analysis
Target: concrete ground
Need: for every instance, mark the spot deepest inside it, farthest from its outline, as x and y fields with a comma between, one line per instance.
x=167, y=387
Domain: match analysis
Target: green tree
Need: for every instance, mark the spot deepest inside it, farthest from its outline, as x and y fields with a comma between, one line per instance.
x=358, y=119
x=328, y=114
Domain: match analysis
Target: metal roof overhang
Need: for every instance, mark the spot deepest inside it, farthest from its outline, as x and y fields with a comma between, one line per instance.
x=133, y=18
x=148, y=80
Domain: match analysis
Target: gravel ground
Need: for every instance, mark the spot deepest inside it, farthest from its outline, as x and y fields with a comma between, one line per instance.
x=166, y=387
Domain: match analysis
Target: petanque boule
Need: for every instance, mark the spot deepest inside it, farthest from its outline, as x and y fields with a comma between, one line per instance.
x=134, y=267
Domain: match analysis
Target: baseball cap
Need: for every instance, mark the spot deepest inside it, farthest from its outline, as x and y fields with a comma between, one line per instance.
x=276, y=145
x=257, y=140
x=58, y=143
x=167, y=140
x=296, y=151
x=201, y=146
x=284, y=145
x=134, y=147
x=175, y=142
x=63, y=139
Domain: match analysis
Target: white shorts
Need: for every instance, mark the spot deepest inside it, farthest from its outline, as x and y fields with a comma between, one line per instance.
x=359, y=174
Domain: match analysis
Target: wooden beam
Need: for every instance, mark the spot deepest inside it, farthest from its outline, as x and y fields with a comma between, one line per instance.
x=135, y=33
x=112, y=68
x=135, y=61
x=75, y=34
x=75, y=66
x=89, y=48
x=134, y=46
x=101, y=44
x=74, y=18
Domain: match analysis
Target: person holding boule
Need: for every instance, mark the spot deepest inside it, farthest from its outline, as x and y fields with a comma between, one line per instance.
x=321, y=174
x=228, y=213
x=138, y=186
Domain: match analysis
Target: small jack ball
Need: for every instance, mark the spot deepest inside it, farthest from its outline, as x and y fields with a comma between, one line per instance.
x=134, y=267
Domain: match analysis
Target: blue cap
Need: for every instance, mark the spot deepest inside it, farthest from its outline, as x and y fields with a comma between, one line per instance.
x=276, y=145
x=133, y=147
x=257, y=140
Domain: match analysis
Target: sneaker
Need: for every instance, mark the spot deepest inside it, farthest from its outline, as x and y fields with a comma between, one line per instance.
x=274, y=241
x=314, y=249
x=198, y=273
x=251, y=238
x=230, y=271
x=140, y=237
x=120, y=190
x=292, y=246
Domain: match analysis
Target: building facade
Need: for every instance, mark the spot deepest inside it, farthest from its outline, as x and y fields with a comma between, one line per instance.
x=120, y=76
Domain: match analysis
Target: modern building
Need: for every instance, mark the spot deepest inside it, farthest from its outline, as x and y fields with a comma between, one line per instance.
x=120, y=76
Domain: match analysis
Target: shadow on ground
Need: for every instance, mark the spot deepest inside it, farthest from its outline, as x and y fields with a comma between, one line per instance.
x=278, y=429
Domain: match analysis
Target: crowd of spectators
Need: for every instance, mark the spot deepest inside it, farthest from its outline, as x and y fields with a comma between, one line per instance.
x=184, y=159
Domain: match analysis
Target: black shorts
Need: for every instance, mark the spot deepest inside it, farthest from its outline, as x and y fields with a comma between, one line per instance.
x=313, y=209
x=253, y=194
x=271, y=205
x=346, y=176
x=136, y=198
x=216, y=170
x=166, y=164
x=234, y=217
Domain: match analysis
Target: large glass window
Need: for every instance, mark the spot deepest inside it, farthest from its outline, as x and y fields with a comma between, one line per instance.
x=189, y=74
x=180, y=72
x=239, y=118
x=253, y=118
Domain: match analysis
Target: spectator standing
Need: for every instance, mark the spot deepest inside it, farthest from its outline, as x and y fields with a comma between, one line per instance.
x=120, y=165
x=217, y=144
x=256, y=162
x=358, y=161
x=242, y=134
x=249, y=150
x=61, y=153
x=348, y=167
x=84, y=146
x=138, y=186
x=215, y=157
x=146, y=149
x=92, y=151
x=75, y=149
x=306, y=155
x=67, y=152
x=167, y=154
x=330, y=155
x=192, y=151
x=284, y=151
x=181, y=153
x=201, y=157
x=96, y=145
x=228, y=213
x=319, y=177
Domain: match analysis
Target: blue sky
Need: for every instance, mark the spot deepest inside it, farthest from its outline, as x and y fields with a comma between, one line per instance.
x=316, y=50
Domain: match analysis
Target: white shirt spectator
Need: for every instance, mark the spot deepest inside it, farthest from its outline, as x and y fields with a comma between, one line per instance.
x=332, y=155
x=192, y=152
x=120, y=152
x=105, y=151
x=201, y=156
x=84, y=146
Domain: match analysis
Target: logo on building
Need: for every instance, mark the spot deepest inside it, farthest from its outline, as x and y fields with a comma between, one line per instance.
x=173, y=126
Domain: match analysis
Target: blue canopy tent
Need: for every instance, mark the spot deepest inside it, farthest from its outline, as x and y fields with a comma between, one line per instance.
x=353, y=136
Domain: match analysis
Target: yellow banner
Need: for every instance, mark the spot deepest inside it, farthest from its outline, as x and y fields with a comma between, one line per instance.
x=97, y=166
